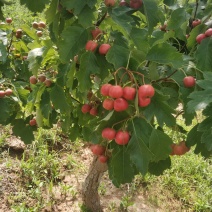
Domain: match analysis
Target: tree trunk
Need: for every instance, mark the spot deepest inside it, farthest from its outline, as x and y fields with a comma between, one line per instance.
x=90, y=196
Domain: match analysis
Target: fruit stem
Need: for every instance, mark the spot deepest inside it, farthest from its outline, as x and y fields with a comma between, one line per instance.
x=195, y=12
x=120, y=122
x=140, y=75
x=100, y=20
x=165, y=78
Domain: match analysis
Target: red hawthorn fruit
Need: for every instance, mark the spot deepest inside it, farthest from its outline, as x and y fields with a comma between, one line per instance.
x=9, y=20
x=47, y=82
x=196, y=22
x=96, y=33
x=2, y=94
x=33, y=80
x=103, y=158
x=200, y=37
x=32, y=122
x=144, y=102
x=120, y=104
x=122, y=137
x=97, y=149
x=172, y=148
x=208, y=32
x=41, y=78
x=8, y=92
x=135, y=4
x=108, y=133
x=108, y=104
x=104, y=48
x=86, y=108
x=105, y=89
x=39, y=33
x=109, y=3
x=35, y=25
x=94, y=111
x=123, y=3
x=180, y=149
x=189, y=82
x=41, y=24
x=129, y=93
x=146, y=91
x=91, y=46
x=116, y=91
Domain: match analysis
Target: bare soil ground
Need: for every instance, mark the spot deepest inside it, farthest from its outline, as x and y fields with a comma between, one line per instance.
x=59, y=198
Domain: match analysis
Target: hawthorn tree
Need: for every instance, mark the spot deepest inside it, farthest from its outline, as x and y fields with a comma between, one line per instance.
x=114, y=74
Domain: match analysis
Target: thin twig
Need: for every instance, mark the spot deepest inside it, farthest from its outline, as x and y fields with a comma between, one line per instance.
x=100, y=20
x=165, y=78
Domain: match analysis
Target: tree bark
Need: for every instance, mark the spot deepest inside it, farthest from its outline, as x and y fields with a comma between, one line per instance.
x=90, y=196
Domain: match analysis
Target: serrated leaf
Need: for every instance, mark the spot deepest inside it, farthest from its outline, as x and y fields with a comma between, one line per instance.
x=164, y=53
x=58, y=99
x=35, y=6
x=159, y=145
x=86, y=16
x=153, y=14
x=193, y=137
x=204, y=55
x=207, y=140
x=118, y=56
x=23, y=130
x=138, y=149
x=51, y=11
x=119, y=167
x=157, y=168
x=73, y=39
x=88, y=66
x=75, y=5
x=45, y=104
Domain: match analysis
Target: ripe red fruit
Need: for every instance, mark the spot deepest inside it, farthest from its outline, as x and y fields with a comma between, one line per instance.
x=86, y=108
x=172, y=148
x=42, y=24
x=104, y=48
x=41, y=78
x=200, y=37
x=109, y=3
x=96, y=33
x=144, y=102
x=8, y=92
x=163, y=27
x=120, y=104
x=135, y=4
x=183, y=145
x=9, y=20
x=196, y=22
x=97, y=149
x=108, y=133
x=208, y=32
x=39, y=33
x=32, y=122
x=116, y=91
x=189, y=81
x=33, y=80
x=129, y=93
x=122, y=137
x=35, y=25
x=18, y=33
x=93, y=111
x=105, y=89
x=103, y=158
x=146, y=91
x=180, y=149
x=47, y=82
x=123, y=3
x=108, y=104
x=91, y=45
x=2, y=94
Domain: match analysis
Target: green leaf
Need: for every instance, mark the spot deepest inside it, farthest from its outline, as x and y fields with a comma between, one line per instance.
x=58, y=99
x=164, y=53
x=205, y=125
x=35, y=6
x=193, y=137
x=207, y=140
x=160, y=145
x=45, y=104
x=75, y=5
x=119, y=167
x=118, y=56
x=23, y=130
x=153, y=13
x=73, y=39
x=204, y=55
x=51, y=11
x=88, y=66
x=157, y=168
x=138, y=149
x=86, y=16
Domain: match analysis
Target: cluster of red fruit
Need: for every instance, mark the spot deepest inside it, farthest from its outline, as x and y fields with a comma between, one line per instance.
x=7, y=92
x=121, y=137
x=41, y=78
x=41, y=25
x=99, y=150
x=202, y=36
x=88, y=108
x=119, y=96
x=179, y=149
